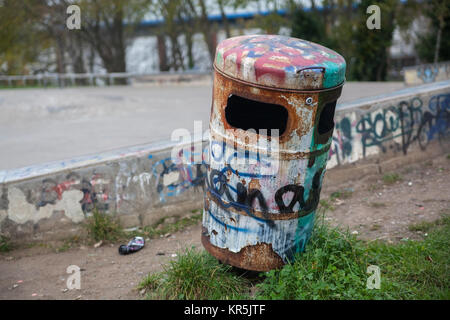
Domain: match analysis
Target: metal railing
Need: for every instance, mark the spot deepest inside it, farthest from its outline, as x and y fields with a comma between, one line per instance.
x=98, y=79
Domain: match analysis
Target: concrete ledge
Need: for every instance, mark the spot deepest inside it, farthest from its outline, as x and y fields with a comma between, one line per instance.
x=427, y=73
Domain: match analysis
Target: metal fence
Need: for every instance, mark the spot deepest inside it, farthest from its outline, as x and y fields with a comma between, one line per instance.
x=98, y=79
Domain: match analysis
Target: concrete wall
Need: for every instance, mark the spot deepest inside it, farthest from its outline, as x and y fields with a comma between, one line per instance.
x=392, y=123
x=427, y=73
x=142, y=184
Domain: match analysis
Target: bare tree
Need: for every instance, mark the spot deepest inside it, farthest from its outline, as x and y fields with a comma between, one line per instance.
x=105, y=25
x=442, y=9
x=226, y=25
x=199, y=12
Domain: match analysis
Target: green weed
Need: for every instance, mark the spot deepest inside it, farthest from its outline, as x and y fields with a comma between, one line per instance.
x=341, y=194
x=5, y=244
x=391, y=178
x=103, y=226
x=195, y=275
x=161, y=227
x=333, y=266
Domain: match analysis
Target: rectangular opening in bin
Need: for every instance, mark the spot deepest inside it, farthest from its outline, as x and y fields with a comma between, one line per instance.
x=326, y=120
x=248, y=114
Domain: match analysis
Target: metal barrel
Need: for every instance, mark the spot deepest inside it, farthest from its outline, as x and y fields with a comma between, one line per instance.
x=271, y=127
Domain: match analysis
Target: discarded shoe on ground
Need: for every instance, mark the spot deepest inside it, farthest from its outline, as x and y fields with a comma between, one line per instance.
x=136, y=244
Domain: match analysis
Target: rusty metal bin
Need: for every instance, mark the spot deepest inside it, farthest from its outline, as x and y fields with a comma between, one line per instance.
x=263, y=188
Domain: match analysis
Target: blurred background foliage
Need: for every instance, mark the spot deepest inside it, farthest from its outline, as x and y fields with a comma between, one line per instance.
x=34, y=38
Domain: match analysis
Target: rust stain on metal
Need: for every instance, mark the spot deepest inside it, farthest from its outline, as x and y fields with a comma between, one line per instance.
x=310, y=77
x=249, y=218
x=232, y=87
x=294, y=101
x=254, y=184
x=286, y=155
x=259, y=257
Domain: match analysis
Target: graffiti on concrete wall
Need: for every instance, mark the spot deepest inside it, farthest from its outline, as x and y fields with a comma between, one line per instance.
x=341, y=146
x=77, y=193
x=172, y=179
x=174, y=176
x=132, y=182
x=396, y=128
x=435, y=121
x=427, y=73
x=95, y=191
x=390, y=123
x=160, y=179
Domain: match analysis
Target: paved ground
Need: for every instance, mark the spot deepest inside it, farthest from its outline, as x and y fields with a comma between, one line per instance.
x=41, y=125
x=374, y=210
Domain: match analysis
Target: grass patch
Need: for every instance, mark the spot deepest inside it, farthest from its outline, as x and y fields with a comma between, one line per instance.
x=341, y=194
x=161, y=227
x=373, y=187
x=30, y=245
x=151, y=283
x=426, y=226
x=68, y=244
x=102, y=226
x=391, y=178
x=326, y=205
x=377, y=205
x=416, y=269
x=375, y=227
x=333, y=266
x=195, y=275
x=5, y=244
x=64, y=247
x=421, y=226
x=18, y=87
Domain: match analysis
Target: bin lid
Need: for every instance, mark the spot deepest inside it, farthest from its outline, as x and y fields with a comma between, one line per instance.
x=280, y=62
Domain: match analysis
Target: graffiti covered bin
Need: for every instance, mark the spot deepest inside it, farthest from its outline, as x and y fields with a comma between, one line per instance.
x=271, y=127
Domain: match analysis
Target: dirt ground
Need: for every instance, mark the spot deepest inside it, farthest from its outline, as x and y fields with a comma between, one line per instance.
x=369, y=207
x=380, y=210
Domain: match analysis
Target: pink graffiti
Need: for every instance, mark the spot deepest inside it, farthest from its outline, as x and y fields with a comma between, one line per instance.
x=63, y=186
x=66, y=185
x=277, y=55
